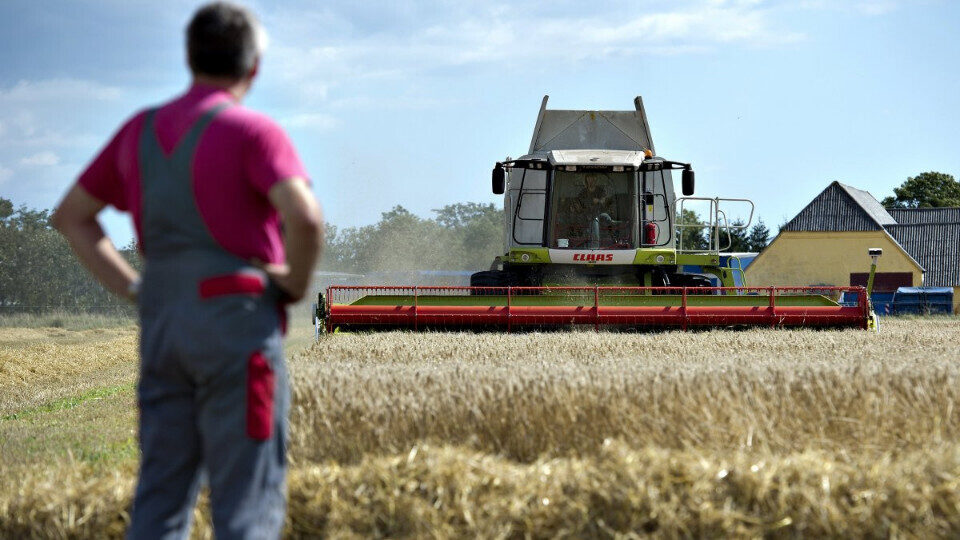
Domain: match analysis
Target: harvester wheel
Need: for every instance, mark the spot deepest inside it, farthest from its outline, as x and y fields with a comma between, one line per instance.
x=690, y=280
x=491, y=278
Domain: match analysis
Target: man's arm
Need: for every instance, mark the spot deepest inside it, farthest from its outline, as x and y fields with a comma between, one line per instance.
x=76, y=219
x=303, y=235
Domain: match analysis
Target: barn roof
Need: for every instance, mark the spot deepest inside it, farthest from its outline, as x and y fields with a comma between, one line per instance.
x=936, y=246
x=840, y=207
x=929, y=236
x=908, y=216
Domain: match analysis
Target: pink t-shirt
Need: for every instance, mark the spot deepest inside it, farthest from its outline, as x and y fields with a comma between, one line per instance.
x=240, y=156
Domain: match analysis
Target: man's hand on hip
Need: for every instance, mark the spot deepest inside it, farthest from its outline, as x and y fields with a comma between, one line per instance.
x=303, y=236
x=76, y=219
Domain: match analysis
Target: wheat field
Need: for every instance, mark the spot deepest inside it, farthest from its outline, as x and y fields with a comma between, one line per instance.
x=745, y=433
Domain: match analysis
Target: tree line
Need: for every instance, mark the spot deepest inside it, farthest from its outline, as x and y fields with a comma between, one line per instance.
x=39, y=272
x=462, y=236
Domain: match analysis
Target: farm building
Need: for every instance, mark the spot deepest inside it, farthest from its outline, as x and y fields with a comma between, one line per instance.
x=827, y=242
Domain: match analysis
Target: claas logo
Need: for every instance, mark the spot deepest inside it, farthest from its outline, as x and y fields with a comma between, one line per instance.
x=593, y=257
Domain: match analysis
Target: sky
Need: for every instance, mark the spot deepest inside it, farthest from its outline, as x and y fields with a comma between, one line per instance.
x=411, y=103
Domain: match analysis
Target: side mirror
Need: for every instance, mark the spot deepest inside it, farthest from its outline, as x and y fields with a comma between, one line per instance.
x=499, y=177
x=687, y=182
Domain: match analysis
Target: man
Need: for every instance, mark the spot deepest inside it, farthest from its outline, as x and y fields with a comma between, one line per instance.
x=592, y=200
x=589, y=214
x=208, y=184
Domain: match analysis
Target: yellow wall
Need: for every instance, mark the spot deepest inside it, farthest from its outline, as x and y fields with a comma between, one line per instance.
x=956, y=300
x=826, y=258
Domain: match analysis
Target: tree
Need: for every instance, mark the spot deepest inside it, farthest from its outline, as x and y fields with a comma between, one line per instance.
x=462, y=214
x=692, y=233
x=758, y=238
x=462, y=236
x=38, y=271
x=737, y=240
x=925, y=190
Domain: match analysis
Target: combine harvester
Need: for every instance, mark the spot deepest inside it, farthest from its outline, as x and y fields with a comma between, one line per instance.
x=592, y=240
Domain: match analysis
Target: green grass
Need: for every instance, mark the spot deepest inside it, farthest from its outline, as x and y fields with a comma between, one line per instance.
x=69, y=402
x=97, y=426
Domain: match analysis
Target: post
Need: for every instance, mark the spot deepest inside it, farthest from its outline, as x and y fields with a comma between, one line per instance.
x=509, y=290
x=773, y=306
x=683, y=308
x=416, y=299
x=596, y=308
x=875, y=254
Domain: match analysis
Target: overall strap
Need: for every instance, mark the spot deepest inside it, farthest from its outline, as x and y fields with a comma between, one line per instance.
x=187, y=145
x=171, y=220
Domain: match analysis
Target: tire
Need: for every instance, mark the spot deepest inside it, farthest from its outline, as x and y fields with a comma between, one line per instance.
x=691, y=281
x=491, y=278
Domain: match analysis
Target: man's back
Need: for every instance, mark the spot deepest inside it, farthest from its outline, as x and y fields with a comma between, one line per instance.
x=240, y=156
x=207, y=183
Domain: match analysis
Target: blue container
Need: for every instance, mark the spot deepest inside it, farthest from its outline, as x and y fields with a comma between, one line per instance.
x=923, y=300
x=882, y=302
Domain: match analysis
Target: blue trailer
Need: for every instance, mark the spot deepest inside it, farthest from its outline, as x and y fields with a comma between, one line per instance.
x=923, y=300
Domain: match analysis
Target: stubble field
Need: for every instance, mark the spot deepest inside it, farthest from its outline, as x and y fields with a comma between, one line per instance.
x=746, y=433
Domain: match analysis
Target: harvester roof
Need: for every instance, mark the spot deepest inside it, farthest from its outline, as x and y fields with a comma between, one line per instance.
x=595, y=157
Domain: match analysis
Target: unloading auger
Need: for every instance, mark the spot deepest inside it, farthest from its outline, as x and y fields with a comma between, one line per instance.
x=592, y=240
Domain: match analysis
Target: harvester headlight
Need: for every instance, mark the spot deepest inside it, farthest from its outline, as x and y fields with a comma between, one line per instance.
x=525, y=257
x=659, y=258
x=570, y=168
x=618, y=168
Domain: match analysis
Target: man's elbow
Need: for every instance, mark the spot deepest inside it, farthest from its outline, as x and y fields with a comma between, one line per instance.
x=59, y=221
x=308, y=224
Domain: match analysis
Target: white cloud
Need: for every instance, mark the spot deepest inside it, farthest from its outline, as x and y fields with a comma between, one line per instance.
x=52, y=113
x=41, y=159
x=876, y=7
x=315, y=121
x=26, y=91
x=861, y=7
x=5, y=173
x=335, y=47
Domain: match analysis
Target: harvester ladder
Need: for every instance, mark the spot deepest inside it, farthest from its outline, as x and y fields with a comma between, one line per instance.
x=737, y=269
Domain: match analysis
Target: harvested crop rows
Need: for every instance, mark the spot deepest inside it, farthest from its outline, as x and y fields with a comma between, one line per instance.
x=740, y=432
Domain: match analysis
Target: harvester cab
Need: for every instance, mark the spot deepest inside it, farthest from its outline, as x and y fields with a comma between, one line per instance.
x=595, y=235
x=591, y=204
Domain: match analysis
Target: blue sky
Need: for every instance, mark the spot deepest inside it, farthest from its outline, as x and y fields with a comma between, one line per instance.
x=411, y=103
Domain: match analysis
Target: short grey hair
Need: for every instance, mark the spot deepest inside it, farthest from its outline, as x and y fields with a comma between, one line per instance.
x=224, y=40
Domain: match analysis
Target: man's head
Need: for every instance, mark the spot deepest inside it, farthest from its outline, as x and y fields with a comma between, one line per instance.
x=590, y=182
x=224, y=43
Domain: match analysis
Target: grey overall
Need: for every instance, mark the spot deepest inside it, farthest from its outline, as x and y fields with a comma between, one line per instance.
x=213, y=390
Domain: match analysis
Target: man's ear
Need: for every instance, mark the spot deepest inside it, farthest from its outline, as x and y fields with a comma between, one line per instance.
x=255, y=69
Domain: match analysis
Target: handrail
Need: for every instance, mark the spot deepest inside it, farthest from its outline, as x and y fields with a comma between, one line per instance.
x=713, y=225
x=738, y=268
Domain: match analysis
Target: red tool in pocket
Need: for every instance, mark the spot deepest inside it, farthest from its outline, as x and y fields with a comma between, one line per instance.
x=260, y=387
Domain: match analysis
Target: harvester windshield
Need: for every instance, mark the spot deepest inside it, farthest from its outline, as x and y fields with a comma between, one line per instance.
x=593, y=210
